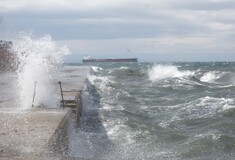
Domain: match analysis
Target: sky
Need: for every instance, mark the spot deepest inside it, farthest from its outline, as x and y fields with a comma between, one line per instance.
x=150, y=30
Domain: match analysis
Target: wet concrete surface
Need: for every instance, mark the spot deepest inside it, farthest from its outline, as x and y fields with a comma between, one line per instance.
x=35, y=132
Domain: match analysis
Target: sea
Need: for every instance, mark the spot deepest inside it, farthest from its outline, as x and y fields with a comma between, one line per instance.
x=178, y=110
x=152, y=111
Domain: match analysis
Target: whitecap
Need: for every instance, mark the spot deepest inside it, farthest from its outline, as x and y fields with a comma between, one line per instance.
x=159, y=72
x=210, y=76
x=96, y=69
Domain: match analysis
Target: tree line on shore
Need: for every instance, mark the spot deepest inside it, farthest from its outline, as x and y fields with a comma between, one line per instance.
x=7, y=57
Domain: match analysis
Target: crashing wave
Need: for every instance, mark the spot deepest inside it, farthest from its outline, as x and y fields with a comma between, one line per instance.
x=39, y=59
x=159, y=72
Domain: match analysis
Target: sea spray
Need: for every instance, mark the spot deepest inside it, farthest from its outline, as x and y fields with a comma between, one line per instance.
x=159, y=72
x=39, y=59
x=210, y=76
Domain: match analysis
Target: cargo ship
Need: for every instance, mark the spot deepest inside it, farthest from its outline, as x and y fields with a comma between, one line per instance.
x=90, y=59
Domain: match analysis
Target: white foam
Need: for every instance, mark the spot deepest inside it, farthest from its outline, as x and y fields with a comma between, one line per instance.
x=208, y=106
x=228, y=106
x=203, y=107
x=118, y=132
x=96, y=69
x=103, y=83
x=124, y=68
x=39, y=59
x=210, y=76
x=159, y=72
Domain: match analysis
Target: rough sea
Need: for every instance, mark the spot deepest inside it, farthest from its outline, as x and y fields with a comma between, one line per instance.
x=167, y=110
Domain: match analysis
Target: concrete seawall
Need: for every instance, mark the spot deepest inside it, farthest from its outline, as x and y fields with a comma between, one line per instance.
x=41, y=133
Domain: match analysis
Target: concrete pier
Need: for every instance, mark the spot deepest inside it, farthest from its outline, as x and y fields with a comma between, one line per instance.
x=39, y=133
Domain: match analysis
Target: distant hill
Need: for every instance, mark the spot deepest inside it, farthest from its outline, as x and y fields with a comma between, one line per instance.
x=7, y=58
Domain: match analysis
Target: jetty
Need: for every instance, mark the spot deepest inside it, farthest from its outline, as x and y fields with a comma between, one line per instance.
x=41, y=133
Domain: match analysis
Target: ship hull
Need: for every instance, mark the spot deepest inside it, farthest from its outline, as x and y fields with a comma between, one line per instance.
x=111, y=60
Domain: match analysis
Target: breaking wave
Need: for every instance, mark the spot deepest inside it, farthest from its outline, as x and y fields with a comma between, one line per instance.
x=39, y=59
x=159, y=72
x=210, y=76
x=96, y=69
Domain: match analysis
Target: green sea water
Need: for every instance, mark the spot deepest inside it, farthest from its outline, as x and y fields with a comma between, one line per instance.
x=167, y=110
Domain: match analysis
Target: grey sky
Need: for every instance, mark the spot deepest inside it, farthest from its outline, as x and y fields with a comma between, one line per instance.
x=153, y=30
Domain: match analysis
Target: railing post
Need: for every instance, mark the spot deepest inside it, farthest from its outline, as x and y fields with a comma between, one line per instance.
x=61, y=91
x=34, y=92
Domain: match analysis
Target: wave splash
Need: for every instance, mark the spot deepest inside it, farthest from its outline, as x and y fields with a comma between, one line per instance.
x=210, y=76
x=159, y=72
x=39, y=59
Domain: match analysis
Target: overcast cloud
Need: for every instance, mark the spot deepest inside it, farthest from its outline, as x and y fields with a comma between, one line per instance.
x=151, y=30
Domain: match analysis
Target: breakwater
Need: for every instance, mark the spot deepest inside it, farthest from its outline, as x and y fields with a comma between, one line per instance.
x=42, y=131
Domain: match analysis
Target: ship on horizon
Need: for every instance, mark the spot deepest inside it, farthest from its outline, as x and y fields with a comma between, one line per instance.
x=90, y=59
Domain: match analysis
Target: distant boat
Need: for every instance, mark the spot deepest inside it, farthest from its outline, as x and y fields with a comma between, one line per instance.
x=90, y=59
